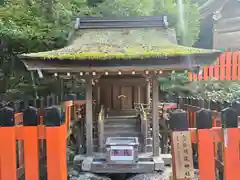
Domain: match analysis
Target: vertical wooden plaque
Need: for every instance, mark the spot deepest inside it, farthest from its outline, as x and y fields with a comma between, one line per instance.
x=182, y=153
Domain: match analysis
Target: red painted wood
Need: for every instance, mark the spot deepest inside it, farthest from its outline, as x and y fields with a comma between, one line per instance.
x=222, y=66
x=234, y=65
x=216, y=70
x=190, y=76
x=205, y=73
x=211, y=68
x=238, y=65
x=228, y=65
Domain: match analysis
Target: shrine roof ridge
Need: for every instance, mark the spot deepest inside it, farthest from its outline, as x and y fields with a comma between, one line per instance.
x=124, y=22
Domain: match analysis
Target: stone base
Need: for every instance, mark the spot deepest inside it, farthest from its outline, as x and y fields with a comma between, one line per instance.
x=94, y=165
x=158, y=163
x=167, y=158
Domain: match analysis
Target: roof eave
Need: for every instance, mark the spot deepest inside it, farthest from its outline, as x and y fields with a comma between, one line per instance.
x=177, y=62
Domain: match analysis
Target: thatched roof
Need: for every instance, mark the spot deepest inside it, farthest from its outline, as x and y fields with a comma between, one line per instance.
x=102, y=44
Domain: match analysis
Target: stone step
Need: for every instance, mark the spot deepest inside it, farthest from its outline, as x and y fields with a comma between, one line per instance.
x=120, y=127
x=120, y=121
x=122, y=133
x=121, y=112
x=121, y=117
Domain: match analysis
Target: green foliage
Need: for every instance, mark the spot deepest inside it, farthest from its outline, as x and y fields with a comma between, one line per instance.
x=178, y=84
x=118, y=8
x=175, y=84
x=32, y=26
x=215, y=90
x=40, y=25
x=187, y=35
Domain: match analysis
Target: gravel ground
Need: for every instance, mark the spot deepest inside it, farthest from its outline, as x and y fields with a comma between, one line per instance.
x=74, y=175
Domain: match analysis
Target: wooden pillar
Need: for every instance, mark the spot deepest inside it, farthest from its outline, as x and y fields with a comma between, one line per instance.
x=89, y=117
x=139, y=94
x=98, y=94
x=155, y=120
x=148, y=90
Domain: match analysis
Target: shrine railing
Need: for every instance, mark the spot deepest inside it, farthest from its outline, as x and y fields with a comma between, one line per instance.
x=191, y=105
x=101, y=117
x=205, y=138
x=33, y=135
x=226, y=68
x=217, y=152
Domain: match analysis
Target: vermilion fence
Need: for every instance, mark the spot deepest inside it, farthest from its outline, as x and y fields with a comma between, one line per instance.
x=209, y=132
x=227, y=67
x=207, y=143
x=31, y=135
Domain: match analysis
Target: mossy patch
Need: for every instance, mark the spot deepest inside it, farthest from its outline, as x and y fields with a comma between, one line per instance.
x=121, y=44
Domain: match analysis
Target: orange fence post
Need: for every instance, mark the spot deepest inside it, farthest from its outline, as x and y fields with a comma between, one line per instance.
x=210, y=75
x=31, y=149
x=228, y=65
x=206, y=154
x=205, y=145
x=8, y=160
x=231, y=154
x=222, y=66
x=56, y=134
x=195, y=78
x=216, y=70
x=234, y=66
x=190, y=76
x=238, y=67
x=205, y=73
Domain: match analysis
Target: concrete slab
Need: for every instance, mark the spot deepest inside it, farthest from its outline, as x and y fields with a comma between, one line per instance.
x=167, y=158
x=158, y=163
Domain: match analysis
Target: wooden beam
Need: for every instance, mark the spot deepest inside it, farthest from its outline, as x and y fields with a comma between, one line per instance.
x=139, y=94
x=148, y=90
x=98, y=94
x=155, y=125
x=89, y=117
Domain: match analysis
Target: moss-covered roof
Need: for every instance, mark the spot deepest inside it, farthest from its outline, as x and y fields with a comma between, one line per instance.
x=120, y=44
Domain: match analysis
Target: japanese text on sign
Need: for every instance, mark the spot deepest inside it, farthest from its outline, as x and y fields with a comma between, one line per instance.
x=183, y=154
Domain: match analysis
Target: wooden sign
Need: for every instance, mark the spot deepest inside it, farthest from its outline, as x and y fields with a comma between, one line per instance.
x=182, y=154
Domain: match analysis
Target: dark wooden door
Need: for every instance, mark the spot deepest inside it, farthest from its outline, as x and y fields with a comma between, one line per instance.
x=126, y=97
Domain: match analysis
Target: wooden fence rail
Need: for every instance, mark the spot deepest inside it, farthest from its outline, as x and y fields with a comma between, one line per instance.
x=191, y=105
x=211, y=134
x=53, y=131
x=29, y=135
x=227, y=67
x=207, y=141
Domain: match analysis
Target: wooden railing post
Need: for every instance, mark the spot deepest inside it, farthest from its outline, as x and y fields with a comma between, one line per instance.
x=101, y=117
x=144, y=125
x=231, y=142
x=8, y=159
x=206, y=156
x=56, y=134
x=180, y=102
x=31, y=149
x=231, y=153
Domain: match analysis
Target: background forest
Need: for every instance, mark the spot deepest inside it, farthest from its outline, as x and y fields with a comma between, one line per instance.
x=39, y=25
